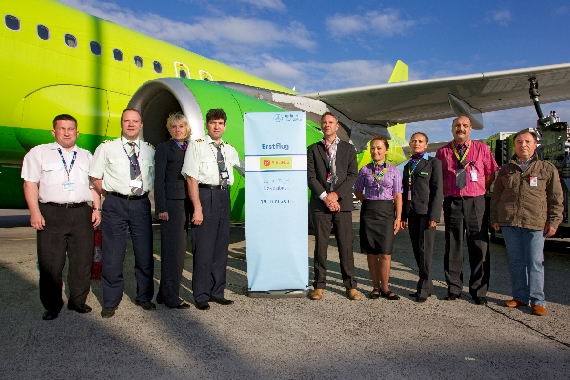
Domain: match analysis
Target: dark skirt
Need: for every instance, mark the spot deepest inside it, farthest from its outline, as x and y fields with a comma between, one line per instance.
x=377, y=227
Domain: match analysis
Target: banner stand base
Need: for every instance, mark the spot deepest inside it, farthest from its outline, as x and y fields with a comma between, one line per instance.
x=279, y=294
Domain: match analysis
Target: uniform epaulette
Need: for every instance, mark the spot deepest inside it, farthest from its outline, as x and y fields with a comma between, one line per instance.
x=199, y=140
x=149, y=144
x=106, y=141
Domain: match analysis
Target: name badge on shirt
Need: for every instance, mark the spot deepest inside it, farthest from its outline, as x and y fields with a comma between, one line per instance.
x=70, y=186
x=135, y=183
x=533, y=181
x=224, y=174
x=473, y=174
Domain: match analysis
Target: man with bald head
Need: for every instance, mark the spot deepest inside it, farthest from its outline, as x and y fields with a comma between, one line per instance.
x=527, y=206
x=468, y=171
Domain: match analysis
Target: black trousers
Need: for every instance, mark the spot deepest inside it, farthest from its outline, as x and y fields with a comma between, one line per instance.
x=470, y=217
x=342, y=222
x=422, y=239
x=119, y=215
x=67, y=230
x=210, y=241
x=173, y=239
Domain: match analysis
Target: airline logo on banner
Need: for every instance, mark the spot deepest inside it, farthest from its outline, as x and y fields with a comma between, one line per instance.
x=268, y=163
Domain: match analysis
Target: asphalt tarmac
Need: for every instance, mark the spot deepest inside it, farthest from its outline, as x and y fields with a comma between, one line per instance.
x=334, y=338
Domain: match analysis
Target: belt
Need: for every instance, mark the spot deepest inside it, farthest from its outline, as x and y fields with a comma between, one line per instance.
x=67, y=205
x=463, y=197
x=129, y=197
x=211, y=187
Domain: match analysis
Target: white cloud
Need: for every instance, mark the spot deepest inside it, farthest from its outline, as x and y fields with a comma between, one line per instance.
x=225, y=33
x=502, y=17
x=273, y=5
x=386, y=24
x=312, y=75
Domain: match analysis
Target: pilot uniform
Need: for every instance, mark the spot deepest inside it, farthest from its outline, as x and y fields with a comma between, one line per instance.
x=123, y=210
x=210, y=239
x=68, y=226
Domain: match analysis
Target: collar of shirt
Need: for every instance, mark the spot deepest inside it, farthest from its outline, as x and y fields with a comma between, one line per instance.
x=126, y=142
x=458, y=145
x=56, y=146
x=179, y=144
x=424, y=156
x=336, y=141
x=209, y=140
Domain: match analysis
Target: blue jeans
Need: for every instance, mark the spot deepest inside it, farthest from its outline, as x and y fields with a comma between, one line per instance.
x=525, y=250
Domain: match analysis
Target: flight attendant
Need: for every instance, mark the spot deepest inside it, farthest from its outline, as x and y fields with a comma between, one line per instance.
x=379, y=188
x=172, y=206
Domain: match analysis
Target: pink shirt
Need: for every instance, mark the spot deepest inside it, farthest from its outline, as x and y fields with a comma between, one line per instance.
x=481, y=162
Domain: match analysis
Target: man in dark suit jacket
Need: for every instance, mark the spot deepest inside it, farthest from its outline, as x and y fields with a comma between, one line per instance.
x=423, y=202
x=331, y=172
x=173, y=207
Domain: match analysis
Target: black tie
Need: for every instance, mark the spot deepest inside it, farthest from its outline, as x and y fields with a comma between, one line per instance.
x=221, y=166
x=461, y=176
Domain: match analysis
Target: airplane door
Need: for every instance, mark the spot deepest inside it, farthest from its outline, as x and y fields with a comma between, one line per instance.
x=181, y=70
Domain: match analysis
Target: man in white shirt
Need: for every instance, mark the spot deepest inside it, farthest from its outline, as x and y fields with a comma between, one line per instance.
x=123, y=172
x=208, y=169
x=57, y=189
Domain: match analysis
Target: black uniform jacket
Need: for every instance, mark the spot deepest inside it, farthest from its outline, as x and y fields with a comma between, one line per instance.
x=317, y=171
x=427, y=189
x=169, y=183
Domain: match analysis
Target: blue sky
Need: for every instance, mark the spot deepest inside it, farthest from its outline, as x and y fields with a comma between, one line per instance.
x=317, y=45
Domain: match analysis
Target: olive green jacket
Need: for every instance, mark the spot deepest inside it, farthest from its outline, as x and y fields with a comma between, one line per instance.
x=518, y=204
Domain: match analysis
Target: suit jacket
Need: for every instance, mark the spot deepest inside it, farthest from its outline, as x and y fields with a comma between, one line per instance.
x=427, y=189
x=169, y=183
x=317, y=171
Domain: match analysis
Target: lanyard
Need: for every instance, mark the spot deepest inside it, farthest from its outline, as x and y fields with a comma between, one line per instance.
x=378, y=176
x=135, y=164
x=461, y=159
x=65, y=164
x=411, y=169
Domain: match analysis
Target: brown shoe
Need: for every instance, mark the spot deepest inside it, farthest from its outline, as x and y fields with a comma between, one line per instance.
x=316, y=294
x=514, y=303
x=538, y=310
x=353, y=294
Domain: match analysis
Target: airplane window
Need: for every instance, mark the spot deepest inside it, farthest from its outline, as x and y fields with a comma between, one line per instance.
x=70, y=40
x=95, y=48
x=118, y=55
x=182, y=73
x=43, y=32
x=12, y=22
x=138, y=61
x=157, y=67
x=206, y=79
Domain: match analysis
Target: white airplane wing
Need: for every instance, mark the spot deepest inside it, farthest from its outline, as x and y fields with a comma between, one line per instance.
x=405, y=102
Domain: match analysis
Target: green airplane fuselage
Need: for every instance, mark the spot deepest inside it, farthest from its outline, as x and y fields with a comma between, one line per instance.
x=90, y=68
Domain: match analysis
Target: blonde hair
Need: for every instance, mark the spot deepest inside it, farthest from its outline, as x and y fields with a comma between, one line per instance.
x=179, y=117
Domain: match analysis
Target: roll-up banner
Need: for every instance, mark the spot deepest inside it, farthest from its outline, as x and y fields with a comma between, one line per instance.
x=276, y=225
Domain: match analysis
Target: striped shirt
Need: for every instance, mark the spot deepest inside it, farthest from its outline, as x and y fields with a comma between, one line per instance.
x=389, y=185
x=480, y=164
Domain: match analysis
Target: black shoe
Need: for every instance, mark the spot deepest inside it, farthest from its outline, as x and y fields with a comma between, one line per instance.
x=108, y=312
x=421, y=299
x=416, y=294
x=389, y=295
x=204, y=305
x=452, y=297
x=480, y=300
x=50, y=315
x=147, y=305
x=81, y=309
x=159, y=301
x=221, y=301
x=182, y=306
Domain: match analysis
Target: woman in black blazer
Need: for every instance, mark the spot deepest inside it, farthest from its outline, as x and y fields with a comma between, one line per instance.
x=423, y=201
x=172, y=205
